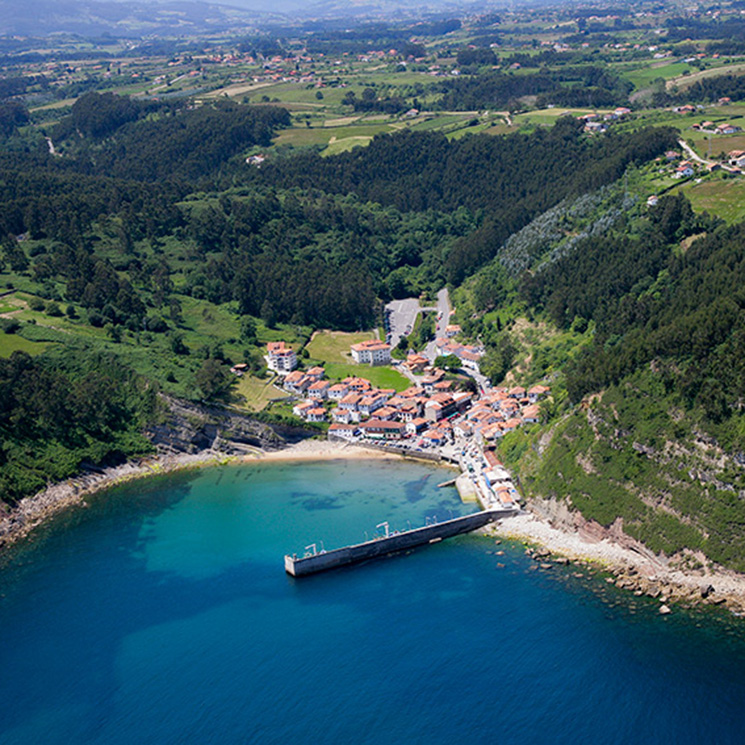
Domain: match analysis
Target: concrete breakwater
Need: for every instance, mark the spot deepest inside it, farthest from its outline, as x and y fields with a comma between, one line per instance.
x=393, y=543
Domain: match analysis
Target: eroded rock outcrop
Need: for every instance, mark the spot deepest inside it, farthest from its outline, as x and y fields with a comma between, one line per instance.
x=186, y=427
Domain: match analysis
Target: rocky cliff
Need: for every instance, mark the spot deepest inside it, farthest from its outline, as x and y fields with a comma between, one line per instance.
x=186, y=427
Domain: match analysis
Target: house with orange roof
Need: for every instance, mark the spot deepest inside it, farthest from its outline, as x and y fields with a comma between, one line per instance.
x=470, y=359
x=372, y=352
x=531, y=414
x=416, y=425
x=463, y=429
x=368, y=404
x=463, y=400
x=491, y=458
x=346, y=431
x=416, y=363
x=439, y=406
x=319, y=390
x=490, y=433
x=386, y=413
x=345, y=416
x=428, y=381
x=409, y=411
x=350, y=401
x=504, y=495
x=299, y=409
x=736, y=158
x=316, y=414
x=433, y=438
x=380, y=430
x=537, y=392
x=442, y=386
x=510, y=425
x=297, y=382
x=357, y=384
x=337, y=391
x=280, y=357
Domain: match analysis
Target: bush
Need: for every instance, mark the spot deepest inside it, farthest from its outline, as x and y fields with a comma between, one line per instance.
x=156, y=324
x=9, y=325
x=96, y=319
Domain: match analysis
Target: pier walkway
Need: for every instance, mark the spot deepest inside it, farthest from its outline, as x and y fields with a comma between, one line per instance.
x=392, y=543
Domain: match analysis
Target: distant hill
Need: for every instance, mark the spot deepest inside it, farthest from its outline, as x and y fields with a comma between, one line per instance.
x=127, y=18
x=89, y=17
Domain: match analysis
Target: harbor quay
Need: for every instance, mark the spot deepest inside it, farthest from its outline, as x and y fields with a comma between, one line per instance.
x=391, y=543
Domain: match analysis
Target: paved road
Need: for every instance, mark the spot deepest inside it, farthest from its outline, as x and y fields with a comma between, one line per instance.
x=443, y=310
x=692, y=155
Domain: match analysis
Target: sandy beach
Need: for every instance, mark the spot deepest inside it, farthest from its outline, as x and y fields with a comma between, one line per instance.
x=307, y=450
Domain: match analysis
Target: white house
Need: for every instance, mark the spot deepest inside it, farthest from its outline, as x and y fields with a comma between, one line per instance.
x=346, y=431
x=280, y=358
x=371, y=352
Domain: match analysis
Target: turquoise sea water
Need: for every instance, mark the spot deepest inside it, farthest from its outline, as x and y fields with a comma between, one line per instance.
x=162, y=614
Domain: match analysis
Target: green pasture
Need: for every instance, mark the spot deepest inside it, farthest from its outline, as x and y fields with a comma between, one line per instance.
x=643, y=77
x=433, y=121
x=253, y=393
x=333, y=346
x=381, y=377
x=306, y=136
x=716, y=68
x=10, y=343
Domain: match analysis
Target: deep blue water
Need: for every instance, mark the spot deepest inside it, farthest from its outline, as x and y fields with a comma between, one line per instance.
x=162, y=614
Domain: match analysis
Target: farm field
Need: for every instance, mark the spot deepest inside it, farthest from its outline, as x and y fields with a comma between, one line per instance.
x=642, y=77
x=724, y=198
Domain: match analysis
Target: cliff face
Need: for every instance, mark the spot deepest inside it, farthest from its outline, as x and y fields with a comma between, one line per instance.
x=186, y=427
x=632, y=468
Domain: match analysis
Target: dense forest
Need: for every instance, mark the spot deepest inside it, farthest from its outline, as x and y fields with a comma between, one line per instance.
x=282, y=239
x=62, y=410
x=578, y=85
x=511, y=179
x=656, y=384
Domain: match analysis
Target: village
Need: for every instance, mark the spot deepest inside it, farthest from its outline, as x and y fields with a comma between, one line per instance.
x=436, y=417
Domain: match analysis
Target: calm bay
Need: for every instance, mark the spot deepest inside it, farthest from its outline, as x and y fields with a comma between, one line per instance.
x=162, y=614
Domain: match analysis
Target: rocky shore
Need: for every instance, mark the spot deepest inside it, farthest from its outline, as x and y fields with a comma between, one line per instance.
x=192, y=436
x=32, y=511
x=630, y=566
